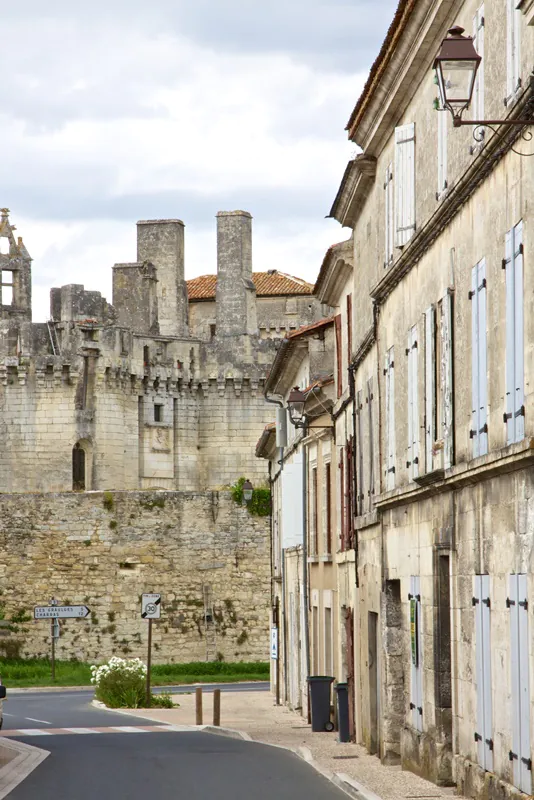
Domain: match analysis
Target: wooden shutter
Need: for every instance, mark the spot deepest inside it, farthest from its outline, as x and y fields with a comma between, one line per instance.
x=389, y=220
x=430, y=385
x=517, y=602
x=339, y=355
x=328, y=508
x=359, y=448
x=349, y=328
x=371, y=467
x=390, y=419
x=443, y=115
x=416, y=702
x=515, y=393
x=349, y=502
x=404, y=183
x=484, y=731
x=479, y=424
x=342, y=519
x=447, y=410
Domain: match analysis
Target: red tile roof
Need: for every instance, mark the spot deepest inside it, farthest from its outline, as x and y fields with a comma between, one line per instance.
x=268, y=284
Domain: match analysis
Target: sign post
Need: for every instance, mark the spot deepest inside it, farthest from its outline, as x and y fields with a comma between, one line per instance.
x=150, y=609
x=54, y=613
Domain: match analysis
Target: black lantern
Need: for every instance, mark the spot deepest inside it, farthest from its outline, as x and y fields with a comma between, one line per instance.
x=456, y=67
x=247, y=491
x=295, y=403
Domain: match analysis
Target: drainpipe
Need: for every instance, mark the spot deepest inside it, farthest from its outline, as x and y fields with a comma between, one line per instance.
x=352, y=389
x=305, y=556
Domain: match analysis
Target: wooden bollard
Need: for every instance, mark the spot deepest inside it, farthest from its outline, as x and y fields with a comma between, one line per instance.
x=217, y=707
x=198, y=705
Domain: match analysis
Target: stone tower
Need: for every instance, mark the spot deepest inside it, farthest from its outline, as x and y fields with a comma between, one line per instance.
x=236, y=294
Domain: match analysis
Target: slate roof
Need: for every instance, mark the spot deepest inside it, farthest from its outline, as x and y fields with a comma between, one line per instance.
x=268, y=284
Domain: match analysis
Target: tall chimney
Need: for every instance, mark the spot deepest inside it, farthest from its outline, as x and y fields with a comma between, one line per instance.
x=236, y=294
x=161, y=242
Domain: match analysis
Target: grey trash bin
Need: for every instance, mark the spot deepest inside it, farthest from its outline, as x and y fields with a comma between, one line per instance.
x=320, y=687
x=342, y=691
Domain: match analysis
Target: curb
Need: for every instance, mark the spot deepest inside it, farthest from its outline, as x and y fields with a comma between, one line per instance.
x=351, y=787
x=47, y=689
x=185, y=686
x=24, y=760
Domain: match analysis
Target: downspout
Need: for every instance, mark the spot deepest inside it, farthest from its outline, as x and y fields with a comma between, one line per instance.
x=305, y=555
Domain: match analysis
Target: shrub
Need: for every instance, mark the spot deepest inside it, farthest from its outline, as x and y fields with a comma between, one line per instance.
x=260, y=505
x=163, y=700
x=121, y=683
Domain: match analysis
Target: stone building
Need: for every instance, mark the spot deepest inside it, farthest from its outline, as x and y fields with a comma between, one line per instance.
x=441, y=520
x=143, y=393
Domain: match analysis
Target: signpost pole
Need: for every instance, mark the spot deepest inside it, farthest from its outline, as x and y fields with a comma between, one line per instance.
x=53, y=602
x=149, y=664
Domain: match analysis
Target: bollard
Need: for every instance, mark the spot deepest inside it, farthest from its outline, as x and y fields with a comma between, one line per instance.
x=342, y=690
x=198, y=705
x=217, y=707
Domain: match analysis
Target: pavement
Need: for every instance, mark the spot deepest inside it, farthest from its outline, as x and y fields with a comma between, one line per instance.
x=349, y=765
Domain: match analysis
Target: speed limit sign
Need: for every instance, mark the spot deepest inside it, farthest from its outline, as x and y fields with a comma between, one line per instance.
x=151, y=606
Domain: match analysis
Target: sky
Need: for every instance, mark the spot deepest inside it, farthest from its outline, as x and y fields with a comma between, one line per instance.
x=119, y=110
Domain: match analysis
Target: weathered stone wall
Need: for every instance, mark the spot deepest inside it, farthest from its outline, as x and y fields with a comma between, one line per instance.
x=105, y=549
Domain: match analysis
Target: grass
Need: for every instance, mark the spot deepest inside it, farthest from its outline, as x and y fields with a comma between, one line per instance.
x=25, y=673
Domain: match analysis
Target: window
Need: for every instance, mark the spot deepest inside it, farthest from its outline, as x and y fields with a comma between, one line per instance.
x=477, y=295
x=158, y=412
x=430, y=386
x=146, y=355
x=339, y=356
x=4, y=246
x=313, y=512
x=78, y=468
x=513, y=50
x=515, y=393
x=6, y=287
x=328, y=509
x=349, y=328
x=360, y=496
x=443, y=116
x=371, y=466
x=416, y=639
x=390, y=419
x=444, y=357
x=388, y=201
x=328, y=665
x=477, y=104
x=412, y=461
x=213, y=331
x=520, y=756
x=404, y=183
x=484, y=731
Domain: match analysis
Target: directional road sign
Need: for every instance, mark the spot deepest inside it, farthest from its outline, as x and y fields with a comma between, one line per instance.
x=61, y=612
x=151, y=606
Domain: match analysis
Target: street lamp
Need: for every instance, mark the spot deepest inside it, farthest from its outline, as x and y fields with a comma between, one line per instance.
x=456, y=67
x=247, y=491
x=295, y=404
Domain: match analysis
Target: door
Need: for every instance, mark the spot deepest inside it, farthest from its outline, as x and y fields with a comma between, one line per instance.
x=372, y=633
x=349, y=661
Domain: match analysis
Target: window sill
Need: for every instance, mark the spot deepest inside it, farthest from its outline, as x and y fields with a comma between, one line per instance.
x=366, y=520
x=313, y=559
x=509, y=459
x=325, y=559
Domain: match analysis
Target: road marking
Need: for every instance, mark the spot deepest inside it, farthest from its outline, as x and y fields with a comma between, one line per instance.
x=116, y=729
x=130, y=729
x=29, y=732
x=32, y=719
x=81, y=730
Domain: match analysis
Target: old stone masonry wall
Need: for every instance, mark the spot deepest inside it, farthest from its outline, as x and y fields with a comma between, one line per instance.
x=104, y=549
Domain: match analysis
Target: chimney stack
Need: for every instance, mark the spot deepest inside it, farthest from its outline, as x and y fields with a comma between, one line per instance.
x=236, y=294
x=161, y=242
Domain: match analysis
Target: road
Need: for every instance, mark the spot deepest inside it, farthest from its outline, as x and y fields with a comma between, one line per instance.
x=122, y=760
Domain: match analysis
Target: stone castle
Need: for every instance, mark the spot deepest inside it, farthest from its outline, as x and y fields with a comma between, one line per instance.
x=160, y=390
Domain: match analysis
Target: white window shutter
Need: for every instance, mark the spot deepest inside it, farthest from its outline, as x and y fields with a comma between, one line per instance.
x=482, y=360
x=388, y=202
x=404, y=183
x=510, y=338
x=371, y=480
x=447, y=379
x=517, y=15
x=510, y=83
x=430, y=385
x=475, y=350
x=359, y=445
x=520, y=712
x=414, y=403
x=519, y=367
x=409, y=454
x=416, y=640
x=484, y=732
x=442, y=150
x=390, y=419
x=478, y=42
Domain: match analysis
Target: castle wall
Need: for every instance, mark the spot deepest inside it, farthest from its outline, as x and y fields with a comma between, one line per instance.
x=105, y=549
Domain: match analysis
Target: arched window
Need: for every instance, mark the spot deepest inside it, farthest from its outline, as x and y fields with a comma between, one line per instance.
x=78, y=468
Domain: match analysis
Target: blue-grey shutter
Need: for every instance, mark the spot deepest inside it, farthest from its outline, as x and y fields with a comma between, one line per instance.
x=416, y=638
x=430, y=385
x=519, y=643
x=519, y=368
x=447, y=380
x=484, y=732
x=413, y=403
x=404, y=183
x=482, y=360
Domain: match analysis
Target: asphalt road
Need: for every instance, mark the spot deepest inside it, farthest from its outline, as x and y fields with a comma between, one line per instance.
x=149, y=765
x=169, y=766
x=68, y=709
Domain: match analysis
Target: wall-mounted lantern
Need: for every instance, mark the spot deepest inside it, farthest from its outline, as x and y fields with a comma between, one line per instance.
x=247, y=491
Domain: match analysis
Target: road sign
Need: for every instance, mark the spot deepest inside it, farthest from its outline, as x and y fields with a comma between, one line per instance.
x=151, y=606
x=61, y=612
x=274, y=643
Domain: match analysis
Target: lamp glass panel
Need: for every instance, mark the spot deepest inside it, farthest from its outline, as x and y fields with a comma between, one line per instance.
x=456, y=80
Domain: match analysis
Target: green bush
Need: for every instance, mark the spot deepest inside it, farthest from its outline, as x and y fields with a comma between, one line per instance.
x=163, y=700
x=259, y=505
x=120, y=683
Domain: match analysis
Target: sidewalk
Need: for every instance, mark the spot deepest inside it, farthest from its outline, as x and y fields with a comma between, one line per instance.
x=255, y=714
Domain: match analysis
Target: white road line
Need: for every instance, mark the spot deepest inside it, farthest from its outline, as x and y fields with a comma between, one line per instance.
x=32, y=719
x=9, y=715
x=128, y=729
x=32, y=732
x=80, y=730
